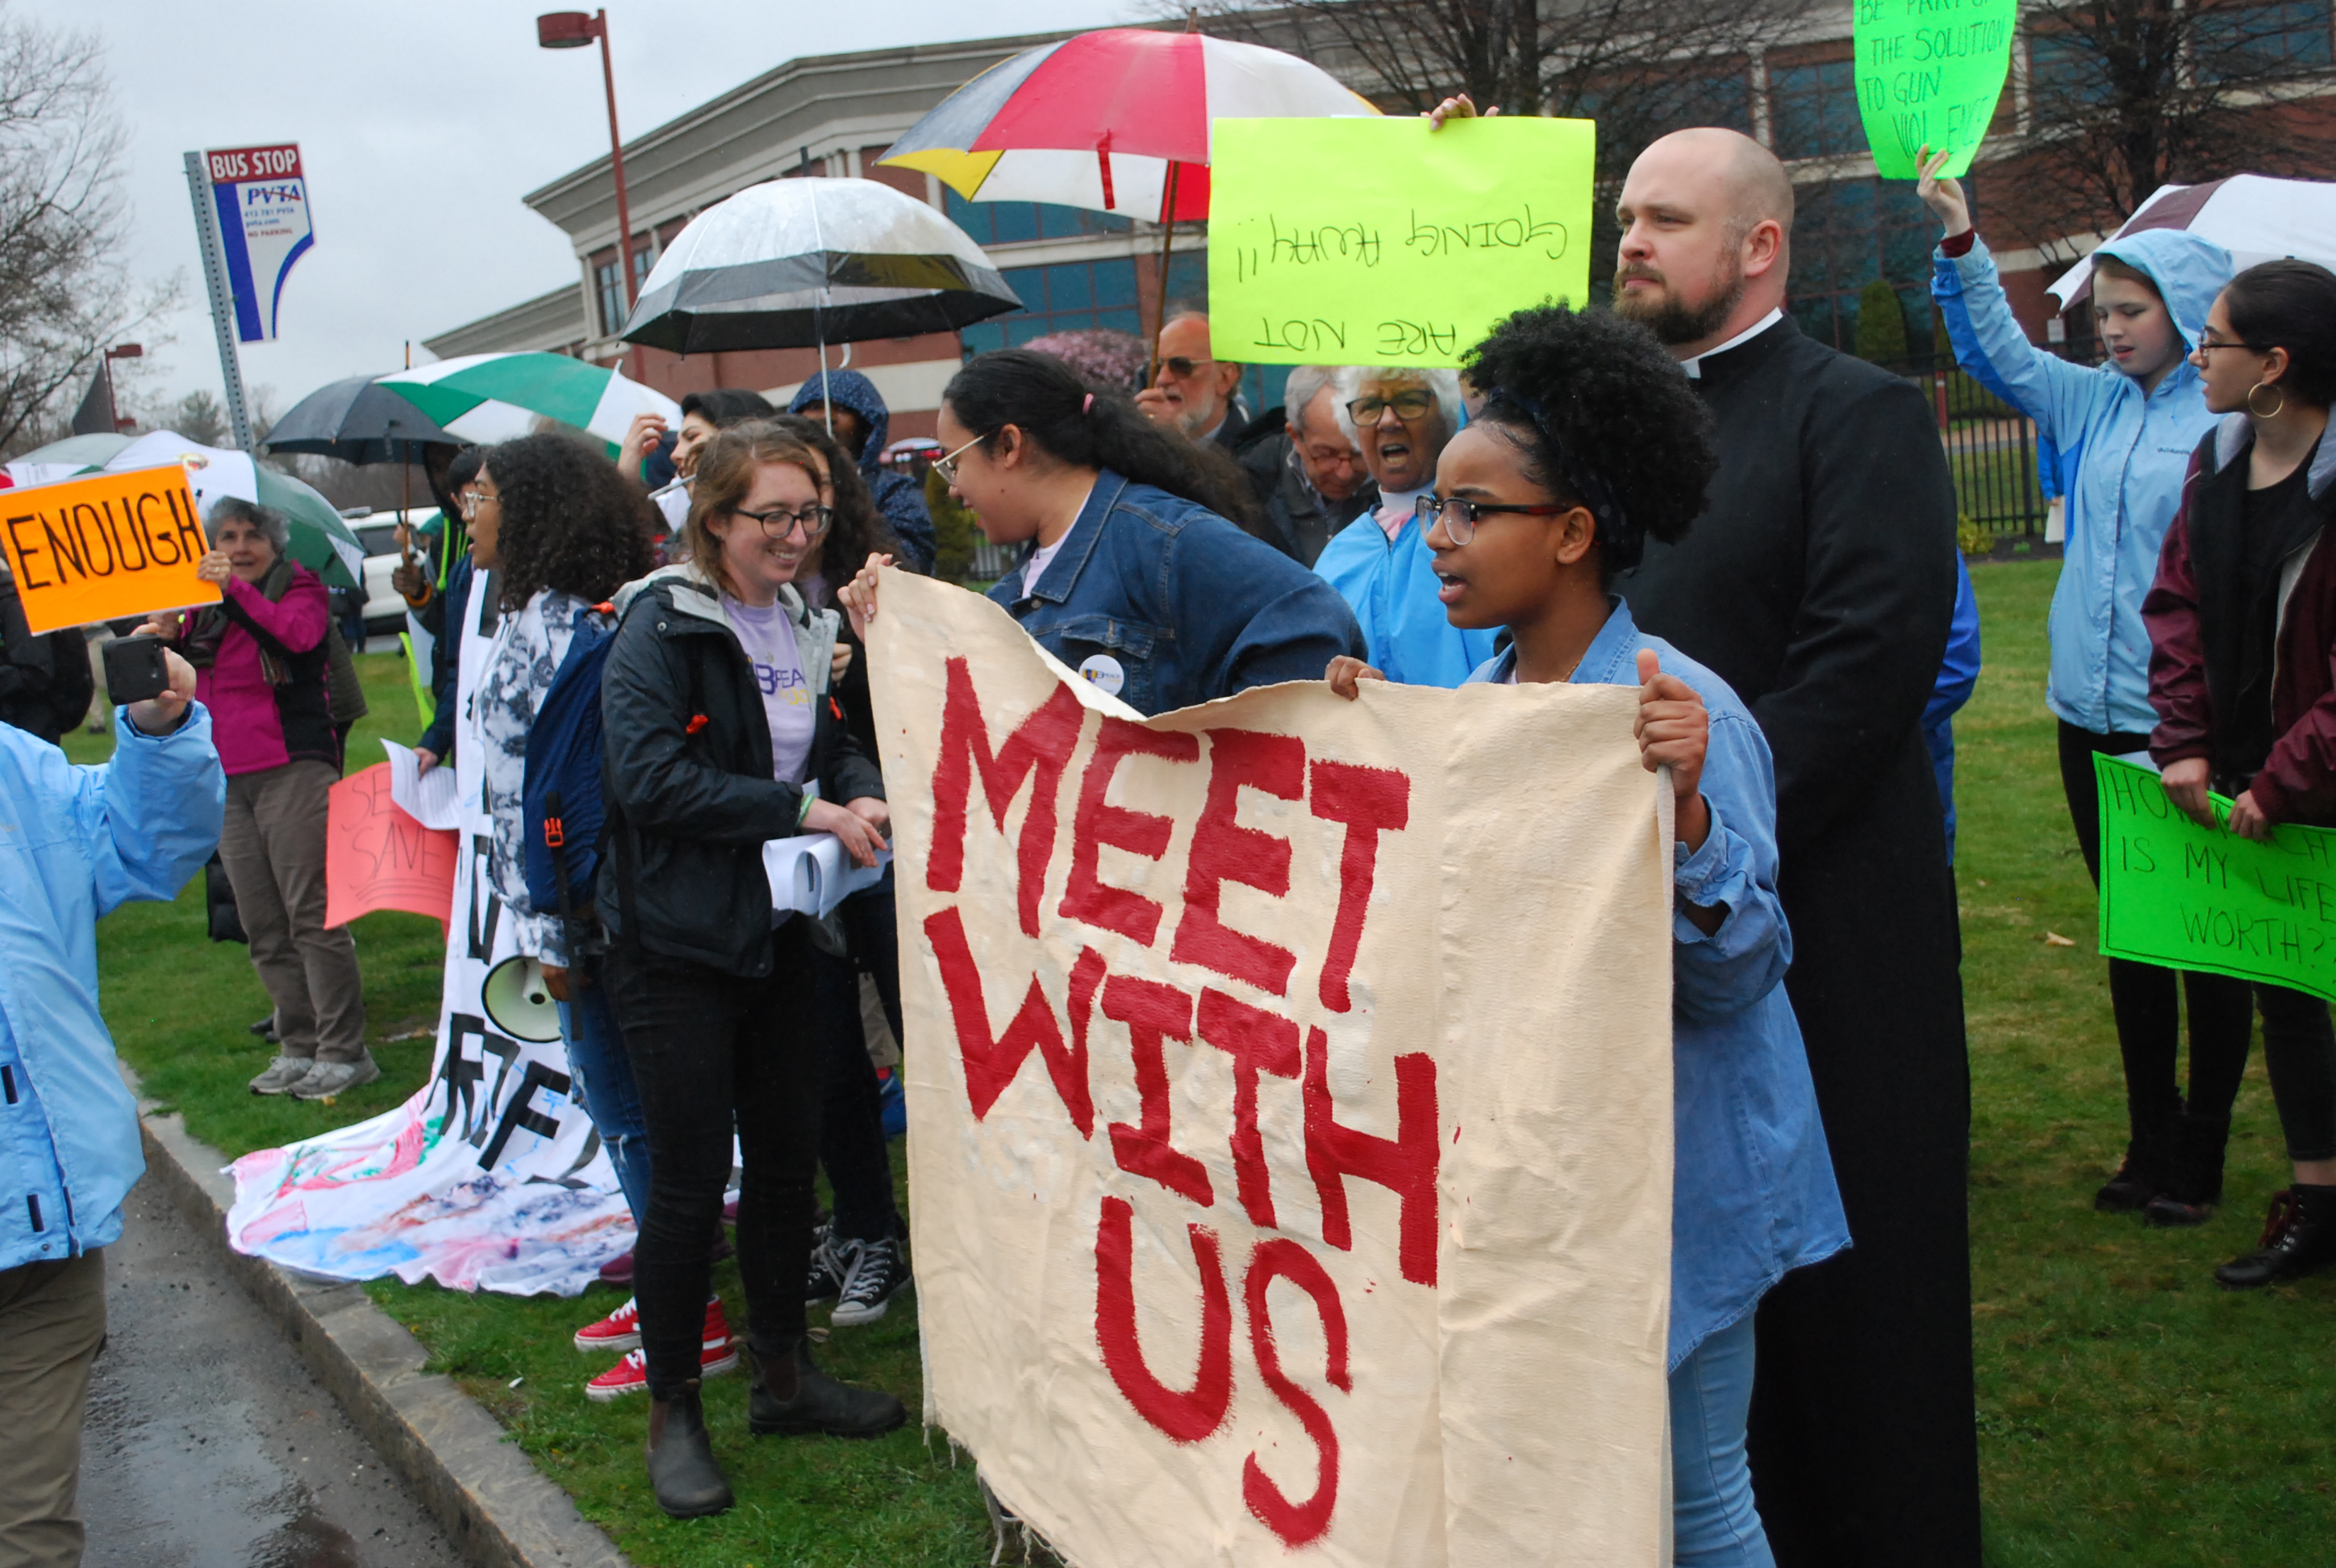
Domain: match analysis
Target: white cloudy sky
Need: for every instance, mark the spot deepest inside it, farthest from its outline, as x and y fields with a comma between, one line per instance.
x=421, y=123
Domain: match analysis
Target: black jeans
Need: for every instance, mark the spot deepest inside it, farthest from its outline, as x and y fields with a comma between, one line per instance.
x=713, y=1051
x=852, y=1120
x=2142, y=996
x=2300, y=1053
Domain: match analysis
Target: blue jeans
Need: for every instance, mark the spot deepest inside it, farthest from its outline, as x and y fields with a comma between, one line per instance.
x=604, y=1083
x=1713, y=1522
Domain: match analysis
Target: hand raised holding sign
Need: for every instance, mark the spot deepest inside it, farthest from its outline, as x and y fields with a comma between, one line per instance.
x=215, y=566
x=1459, y=106
x=1942, y=192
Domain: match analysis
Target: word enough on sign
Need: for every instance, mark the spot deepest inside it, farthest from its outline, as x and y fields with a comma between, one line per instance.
x=104, y=547
x=1292, y=1105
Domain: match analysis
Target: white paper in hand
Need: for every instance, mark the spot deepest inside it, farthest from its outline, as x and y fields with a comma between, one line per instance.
x=430, y=798
x=811, y=873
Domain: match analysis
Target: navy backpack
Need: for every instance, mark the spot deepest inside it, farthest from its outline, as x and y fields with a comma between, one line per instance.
x=560, y=803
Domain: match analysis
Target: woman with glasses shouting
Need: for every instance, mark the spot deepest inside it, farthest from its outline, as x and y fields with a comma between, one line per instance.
x=719, y=735
x=2242, y=671
x=1131, y=573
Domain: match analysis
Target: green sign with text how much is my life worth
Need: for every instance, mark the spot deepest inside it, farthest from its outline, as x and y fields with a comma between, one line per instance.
x=2195, y=897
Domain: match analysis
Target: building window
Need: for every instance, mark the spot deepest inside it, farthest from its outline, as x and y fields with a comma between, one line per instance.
x=1813, y=110
x=1013, y=223
x=1845, y=234
x=2065, y=69
x=1717, y=93
x=2251, y=42
x=611, y=294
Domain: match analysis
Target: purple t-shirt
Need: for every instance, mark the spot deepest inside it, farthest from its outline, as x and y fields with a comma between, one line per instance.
x=769, y=639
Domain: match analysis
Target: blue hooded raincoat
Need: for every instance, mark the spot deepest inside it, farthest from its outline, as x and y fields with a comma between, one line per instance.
x=2123, y=452
x=897, y=496
x=74, y=843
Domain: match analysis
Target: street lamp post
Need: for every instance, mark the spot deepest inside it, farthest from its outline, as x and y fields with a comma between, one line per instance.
x=574, y=30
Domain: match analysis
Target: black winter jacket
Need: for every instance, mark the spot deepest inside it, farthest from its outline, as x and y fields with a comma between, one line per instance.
x=689, y=808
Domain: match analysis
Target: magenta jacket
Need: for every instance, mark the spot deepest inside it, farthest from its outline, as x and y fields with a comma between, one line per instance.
x=258, y=722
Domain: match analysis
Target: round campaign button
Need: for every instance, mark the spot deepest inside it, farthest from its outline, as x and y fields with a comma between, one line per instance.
x=1102, y=670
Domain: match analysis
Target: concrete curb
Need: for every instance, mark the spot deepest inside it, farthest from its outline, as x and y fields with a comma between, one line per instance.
x=495, y=1507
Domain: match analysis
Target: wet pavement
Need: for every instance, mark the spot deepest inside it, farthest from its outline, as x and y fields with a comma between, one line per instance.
x=209, y=1445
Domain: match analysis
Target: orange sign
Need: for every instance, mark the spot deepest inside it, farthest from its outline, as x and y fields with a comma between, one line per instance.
x=105, y=547
x=377, y=857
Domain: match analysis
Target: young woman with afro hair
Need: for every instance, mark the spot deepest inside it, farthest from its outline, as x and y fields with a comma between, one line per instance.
x=1591, y=443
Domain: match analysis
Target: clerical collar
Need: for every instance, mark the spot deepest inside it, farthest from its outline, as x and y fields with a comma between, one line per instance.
x=1694, y=367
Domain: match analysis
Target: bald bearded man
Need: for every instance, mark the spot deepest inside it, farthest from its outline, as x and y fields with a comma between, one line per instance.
x=1820, y=583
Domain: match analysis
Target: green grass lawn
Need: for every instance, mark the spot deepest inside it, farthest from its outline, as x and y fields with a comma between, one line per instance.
x=2131, y=1414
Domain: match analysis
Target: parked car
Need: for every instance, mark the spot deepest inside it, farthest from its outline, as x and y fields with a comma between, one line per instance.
x=385, y=607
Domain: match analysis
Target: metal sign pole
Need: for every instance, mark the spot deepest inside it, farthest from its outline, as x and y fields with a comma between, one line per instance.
x=198, y=186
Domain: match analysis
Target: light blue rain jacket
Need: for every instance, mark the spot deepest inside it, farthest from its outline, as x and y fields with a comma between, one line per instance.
x=74, y=843
x=1391, y=584
x=2124, y=455
x=1752, y=1185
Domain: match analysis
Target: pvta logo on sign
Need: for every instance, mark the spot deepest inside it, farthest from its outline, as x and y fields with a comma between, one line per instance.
x=262, y=201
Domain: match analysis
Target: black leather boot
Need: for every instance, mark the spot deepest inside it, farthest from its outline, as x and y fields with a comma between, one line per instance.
x=2194, y=1176
x=791, y=1397
x=682, y=1470
x=2142, y=1176
x=2299, y=1238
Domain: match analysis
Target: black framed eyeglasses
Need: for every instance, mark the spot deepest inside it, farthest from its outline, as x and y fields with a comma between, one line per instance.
x=778, y=522
x=1460, y=515
x=1407, y=405
x=2206, y=345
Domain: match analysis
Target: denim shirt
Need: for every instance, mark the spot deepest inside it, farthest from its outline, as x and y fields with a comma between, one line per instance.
x=1752, y=1185
x=1165, y=605
x=74, y=843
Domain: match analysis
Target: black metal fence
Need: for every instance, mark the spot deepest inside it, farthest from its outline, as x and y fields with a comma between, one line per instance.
x=2003, y=487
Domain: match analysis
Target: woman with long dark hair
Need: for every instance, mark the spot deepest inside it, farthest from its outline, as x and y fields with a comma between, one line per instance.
x=1133, y=574
x=2243, y=670
x=719, y=735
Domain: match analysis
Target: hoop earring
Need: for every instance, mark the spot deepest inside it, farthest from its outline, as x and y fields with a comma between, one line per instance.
x=2261, y=414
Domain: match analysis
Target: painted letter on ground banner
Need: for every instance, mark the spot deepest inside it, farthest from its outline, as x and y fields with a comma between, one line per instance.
x=105, y=547
x=1289, y=1081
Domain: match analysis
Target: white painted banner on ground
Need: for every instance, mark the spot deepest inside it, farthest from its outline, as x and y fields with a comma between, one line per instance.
x=490, y=1176
x=1290, y=1091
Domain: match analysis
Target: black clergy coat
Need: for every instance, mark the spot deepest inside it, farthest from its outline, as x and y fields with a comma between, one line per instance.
x=1819, y=582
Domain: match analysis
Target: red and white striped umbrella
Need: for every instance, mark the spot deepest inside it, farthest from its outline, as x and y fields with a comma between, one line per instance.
x=1112, y=120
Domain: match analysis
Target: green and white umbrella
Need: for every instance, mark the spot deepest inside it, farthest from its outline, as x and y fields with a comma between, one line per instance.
x=492, y=397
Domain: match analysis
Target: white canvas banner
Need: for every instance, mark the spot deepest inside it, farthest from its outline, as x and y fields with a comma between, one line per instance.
x=1290, y=1099
x=490, y=1176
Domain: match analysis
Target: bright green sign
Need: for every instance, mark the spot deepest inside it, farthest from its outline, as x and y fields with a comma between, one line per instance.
x=1929, y=73
x=1378, y=241
x=2193, y=898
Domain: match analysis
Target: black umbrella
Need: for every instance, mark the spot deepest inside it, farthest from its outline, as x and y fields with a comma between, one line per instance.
x=804, y=263
x=358, y=421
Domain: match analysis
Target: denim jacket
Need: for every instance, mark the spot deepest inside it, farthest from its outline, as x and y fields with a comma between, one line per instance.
x=1752, y=1185
x=75, y=843
x=1165, y=605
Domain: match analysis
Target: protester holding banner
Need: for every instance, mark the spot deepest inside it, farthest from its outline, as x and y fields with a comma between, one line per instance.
x=1386, y=572
x=1588, y=445
x=1819, y=585
x=1134, y=579
x=560, y=533
x=2243, y=670
x=259, y=659
x=2131, y=423
x=719, y=737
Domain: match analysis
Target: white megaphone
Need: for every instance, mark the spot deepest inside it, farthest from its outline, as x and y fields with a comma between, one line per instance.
x=518, y=1003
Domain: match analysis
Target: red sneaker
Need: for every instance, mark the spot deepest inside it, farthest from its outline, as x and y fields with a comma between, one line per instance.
x=631, y=1374
x=619, y=1331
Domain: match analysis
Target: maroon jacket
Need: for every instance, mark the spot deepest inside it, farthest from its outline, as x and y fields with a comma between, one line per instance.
x=2210, y=702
